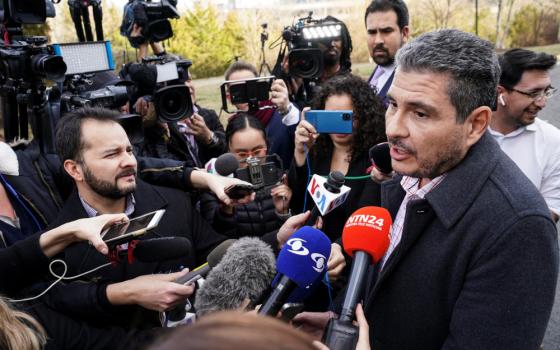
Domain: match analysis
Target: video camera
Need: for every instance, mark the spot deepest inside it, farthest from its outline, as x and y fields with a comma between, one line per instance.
x=161, y=81
x=261, y=173
x=77, y=94
x=153, y=18
x=307, y=40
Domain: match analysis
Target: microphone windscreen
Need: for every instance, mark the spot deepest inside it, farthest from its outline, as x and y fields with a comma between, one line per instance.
x=218, y=253
x=244, y=274
x=381, y=157
x=304, y=256
x=226, y=164
x=367, y=230
x=161, y=249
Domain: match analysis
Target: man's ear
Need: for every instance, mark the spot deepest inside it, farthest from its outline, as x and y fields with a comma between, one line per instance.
x=478, y=122
x=74, y=170
x=405, y=33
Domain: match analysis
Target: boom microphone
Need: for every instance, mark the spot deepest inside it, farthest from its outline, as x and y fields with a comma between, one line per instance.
x=327, y=194
x=301, y=263
x=366, y=238
x=157, y=249
x=224, y=165
x=244, y=274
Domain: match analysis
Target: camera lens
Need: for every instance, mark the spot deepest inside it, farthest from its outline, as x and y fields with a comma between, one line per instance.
x=173, y=103
x=306, y=63
x=50, y=66
x=346, y=116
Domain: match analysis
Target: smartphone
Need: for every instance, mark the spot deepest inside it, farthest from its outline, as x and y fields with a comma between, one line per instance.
x=330, y=122
x=380, y=156
x=239, y=191
x=290, y=310
x=120, y=233
x=241, y=91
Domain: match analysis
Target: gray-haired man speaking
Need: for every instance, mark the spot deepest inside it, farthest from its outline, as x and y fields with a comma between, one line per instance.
x=473, y=258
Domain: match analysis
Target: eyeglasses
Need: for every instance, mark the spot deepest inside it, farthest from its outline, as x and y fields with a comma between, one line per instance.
x=538, y=95
x=258, y=152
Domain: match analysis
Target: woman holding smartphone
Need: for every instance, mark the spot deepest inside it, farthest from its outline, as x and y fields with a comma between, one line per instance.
x=246, y=140
x=348, y=153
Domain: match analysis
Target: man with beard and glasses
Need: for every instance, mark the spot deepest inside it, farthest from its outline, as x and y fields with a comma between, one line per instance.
x=473, y=256
x=97, y=154
x=532, y=143
x=387, y=31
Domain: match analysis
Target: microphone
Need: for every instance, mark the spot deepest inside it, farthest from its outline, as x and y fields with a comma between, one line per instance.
x=245, y=273
x=156, y=249
x=178, y=313
x=380, y=156
x=327, y=194
x=301, y=263
x=224, y=165
x=366, y=238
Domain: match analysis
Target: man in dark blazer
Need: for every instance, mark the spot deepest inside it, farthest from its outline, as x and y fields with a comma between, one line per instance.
x=473, y=255
x=387, y=31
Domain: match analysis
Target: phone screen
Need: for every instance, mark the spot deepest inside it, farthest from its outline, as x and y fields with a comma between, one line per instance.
x=134, y=225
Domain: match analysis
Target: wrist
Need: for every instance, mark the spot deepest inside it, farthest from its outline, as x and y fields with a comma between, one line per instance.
x=118, y=294
x=284, y=111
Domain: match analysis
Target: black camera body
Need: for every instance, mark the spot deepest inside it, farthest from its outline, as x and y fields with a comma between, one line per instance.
x=77, y=95
x=170, y=95
x=153, y=18
x=305, y=39
x=250, y=91
x=261, y=174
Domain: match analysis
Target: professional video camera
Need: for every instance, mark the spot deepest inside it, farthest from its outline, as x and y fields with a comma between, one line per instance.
x=77, y=94
x=307, y=40
x=261, y=172
x=161, y=80
x=25, y=63
x=152, y=17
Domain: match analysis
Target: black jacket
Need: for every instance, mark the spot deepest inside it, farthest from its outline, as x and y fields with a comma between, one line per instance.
x=477, y=264
x=253, y=219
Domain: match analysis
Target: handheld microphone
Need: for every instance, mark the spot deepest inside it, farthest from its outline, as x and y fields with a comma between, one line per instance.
x=156, y=249
x=327, y=194
x=178, y=313
x=301, y=263
x=380, y=156
x=366, y=238
x=244, y=274
x=224, y=165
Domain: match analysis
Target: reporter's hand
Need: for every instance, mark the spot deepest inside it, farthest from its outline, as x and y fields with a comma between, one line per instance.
x=279, y=95
x=281, y=196
x=361, y=322
x=336, y=262
x=218, y=185
x=290, y=226
x=199, y=129
x=154, y=292
x=312, y=323
x=379, y=177
x=305, y=137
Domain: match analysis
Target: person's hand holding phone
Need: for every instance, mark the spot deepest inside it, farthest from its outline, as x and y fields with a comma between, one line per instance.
x=279, y=95
x=281, y=196
x=305, y=138
x=199, y=129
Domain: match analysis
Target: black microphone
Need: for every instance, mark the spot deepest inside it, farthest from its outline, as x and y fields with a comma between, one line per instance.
x=245, y=273
x=380, y=156
x=226, y=164
x=156, y=249
x=327, y=196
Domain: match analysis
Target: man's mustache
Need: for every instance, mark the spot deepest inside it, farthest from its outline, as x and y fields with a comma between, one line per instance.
x=126, y=172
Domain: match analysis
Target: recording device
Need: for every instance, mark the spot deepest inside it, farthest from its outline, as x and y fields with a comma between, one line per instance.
x=153, y=18
x=301, y=263
x=290, y=310
x=253, y=91
x=261, y=172
x=327, y=194
x=25, y=64
x=156, y=249
x=178, y=313
x=224, y=165
x=161, y=80
x=307, y=40
x=120, y=233
x=244, y=273
x=77, y=95
x=365, y=237
x=380, y=156
x=330, y=122
x=239, y=191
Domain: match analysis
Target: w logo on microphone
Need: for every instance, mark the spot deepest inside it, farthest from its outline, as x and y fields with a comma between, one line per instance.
x=296, y=245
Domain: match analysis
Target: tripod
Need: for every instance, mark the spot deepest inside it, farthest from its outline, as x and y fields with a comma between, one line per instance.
x=264, y=38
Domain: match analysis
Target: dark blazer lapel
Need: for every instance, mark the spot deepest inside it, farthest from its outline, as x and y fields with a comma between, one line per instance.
x=177, y=142
x=383, y=93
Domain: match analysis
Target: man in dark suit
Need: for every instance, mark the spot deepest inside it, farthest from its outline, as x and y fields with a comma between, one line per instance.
x=387, y=31
x=473, y=255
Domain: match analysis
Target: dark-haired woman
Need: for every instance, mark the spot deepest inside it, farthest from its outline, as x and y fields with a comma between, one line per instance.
x=246, y=139
x=348, y=153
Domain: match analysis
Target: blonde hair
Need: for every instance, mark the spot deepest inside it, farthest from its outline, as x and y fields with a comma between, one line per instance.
x=18, y=330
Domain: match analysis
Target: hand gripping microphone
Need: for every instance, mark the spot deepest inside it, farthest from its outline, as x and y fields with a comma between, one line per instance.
x=366, y=238
x=224, y=165
x=244, y=274
x=327, y=194
x=301, y=263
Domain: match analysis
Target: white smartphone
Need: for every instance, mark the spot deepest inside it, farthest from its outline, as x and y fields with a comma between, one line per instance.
x=120, y=233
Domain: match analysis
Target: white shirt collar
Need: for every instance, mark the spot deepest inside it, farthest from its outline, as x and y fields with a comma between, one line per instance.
x=8, y=160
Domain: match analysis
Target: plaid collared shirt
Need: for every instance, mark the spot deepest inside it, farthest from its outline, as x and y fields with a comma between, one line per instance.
x=128, y=210
x=410, y=185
